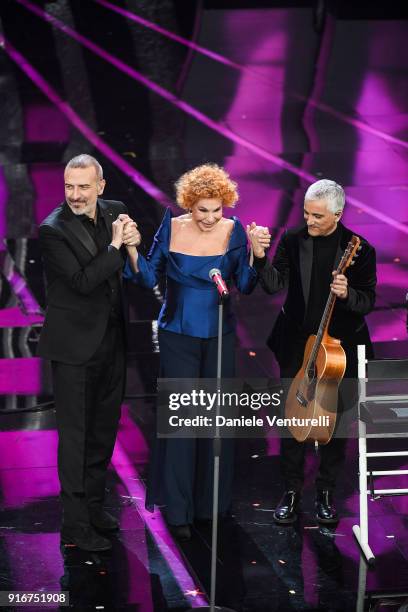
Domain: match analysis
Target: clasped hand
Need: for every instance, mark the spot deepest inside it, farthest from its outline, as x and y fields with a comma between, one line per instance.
x=259, y=237
x=125, y=232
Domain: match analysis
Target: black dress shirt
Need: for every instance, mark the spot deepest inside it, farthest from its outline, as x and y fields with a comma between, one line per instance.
x=324, y=253
x=98, y=231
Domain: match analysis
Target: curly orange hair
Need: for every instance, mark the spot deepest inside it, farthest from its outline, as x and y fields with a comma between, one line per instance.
x=206, y=181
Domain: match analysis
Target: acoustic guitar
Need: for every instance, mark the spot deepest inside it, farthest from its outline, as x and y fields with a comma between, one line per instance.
x=311, y=403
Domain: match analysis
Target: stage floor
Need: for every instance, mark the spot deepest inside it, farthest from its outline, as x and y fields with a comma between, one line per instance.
x=261, y=567
x=279, y=103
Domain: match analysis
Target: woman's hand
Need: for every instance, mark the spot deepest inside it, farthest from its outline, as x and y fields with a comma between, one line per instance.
x=131, y=235
x=260, y=239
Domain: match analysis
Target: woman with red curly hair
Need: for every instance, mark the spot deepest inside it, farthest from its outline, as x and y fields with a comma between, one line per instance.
x=185, y=249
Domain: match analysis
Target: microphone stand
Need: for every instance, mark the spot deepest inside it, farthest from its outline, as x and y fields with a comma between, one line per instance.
x=217, y=453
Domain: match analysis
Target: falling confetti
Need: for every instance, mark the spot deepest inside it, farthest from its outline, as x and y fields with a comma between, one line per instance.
x=193, y=593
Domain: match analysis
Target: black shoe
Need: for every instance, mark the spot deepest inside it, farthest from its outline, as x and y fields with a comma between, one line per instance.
x=85, y=538
x=181, y=532
x=325, y=511
x=285, y=512
x=103, y=521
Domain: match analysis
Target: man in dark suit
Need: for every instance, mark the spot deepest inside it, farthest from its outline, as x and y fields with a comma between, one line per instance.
x=303, y=264
x=83, y=337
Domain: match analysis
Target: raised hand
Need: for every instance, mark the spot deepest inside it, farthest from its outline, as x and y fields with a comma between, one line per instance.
x=259, y=237
x=131, y=235
x=117, y=233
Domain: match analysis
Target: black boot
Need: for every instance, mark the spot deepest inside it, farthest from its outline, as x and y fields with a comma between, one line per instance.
x=181, y=532
x=103, y=521
x=285, y=512
x=325, y=511
x=85, y=538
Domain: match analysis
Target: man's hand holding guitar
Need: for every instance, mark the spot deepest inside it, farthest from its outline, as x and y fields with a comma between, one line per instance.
x=339, y=286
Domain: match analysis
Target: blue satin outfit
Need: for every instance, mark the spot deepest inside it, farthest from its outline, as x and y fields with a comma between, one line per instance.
x=181, y=470
x=191, y=301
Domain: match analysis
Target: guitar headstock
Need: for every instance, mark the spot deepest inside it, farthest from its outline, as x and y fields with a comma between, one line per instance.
x=349, y=254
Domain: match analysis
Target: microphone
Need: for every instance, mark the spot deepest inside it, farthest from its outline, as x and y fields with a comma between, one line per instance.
x=216, y=277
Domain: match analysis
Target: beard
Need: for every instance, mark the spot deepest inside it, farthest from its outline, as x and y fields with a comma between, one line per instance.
x=85, y=208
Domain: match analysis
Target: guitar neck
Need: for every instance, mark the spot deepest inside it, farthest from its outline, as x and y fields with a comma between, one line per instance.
x=345, y=261
x=323, y=327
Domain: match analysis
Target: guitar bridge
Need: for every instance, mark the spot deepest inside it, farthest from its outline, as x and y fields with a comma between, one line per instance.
x=301, y=399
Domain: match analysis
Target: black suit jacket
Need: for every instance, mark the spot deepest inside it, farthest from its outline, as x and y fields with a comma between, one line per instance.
x=291, y=268
x=78, y=290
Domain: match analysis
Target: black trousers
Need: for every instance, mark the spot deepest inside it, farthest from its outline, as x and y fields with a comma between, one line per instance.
x=292, y=452
x=181, y=470
x=88, y=399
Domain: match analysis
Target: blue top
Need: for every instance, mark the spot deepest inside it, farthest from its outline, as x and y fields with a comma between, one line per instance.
x=191, y=301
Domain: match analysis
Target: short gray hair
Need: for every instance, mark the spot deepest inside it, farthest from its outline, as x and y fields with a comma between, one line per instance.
x=85, y=161
x=329, y=191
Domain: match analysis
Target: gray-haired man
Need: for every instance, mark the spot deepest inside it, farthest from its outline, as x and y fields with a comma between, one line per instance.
x=303, y=264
